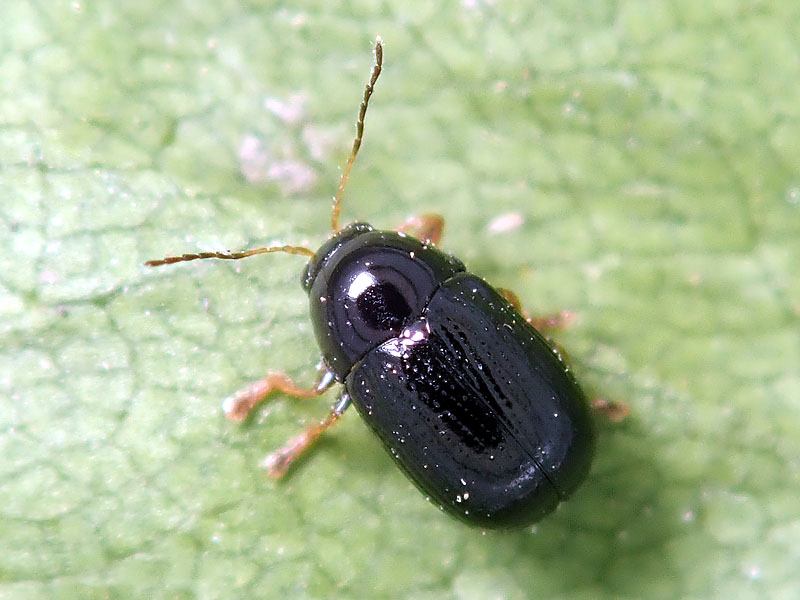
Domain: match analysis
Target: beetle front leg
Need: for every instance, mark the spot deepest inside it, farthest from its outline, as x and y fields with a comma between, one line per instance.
x=559, y=320
x=239, y=406
x=426, y=228
x=278, y=463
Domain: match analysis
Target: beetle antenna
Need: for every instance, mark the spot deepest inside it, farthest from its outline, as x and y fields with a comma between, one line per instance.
x=229, y=255
x=376, y=71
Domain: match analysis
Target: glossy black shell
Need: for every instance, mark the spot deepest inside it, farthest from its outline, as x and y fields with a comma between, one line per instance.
x=477, y=408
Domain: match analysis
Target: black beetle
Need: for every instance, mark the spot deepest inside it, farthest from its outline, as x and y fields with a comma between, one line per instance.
x=473, y=403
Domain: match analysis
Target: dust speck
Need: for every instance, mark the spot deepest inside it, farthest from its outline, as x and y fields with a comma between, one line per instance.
x=506, y=222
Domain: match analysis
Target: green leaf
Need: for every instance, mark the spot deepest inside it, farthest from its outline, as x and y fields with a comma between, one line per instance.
x=650, y=151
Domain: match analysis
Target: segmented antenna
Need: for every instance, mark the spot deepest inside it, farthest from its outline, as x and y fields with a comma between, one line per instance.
x=337, y=201
x=229, y=255
x=376, y=71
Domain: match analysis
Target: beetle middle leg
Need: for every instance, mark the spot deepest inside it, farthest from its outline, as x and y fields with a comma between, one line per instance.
x=426, y=228
x=559, y=320
x=278, y=463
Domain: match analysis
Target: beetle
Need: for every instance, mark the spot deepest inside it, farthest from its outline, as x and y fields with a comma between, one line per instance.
x=473, y=403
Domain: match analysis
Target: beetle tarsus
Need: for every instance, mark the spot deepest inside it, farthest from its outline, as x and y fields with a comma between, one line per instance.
x=278, y=463
x=555, y=321
x=426, y=228
x=612, y=410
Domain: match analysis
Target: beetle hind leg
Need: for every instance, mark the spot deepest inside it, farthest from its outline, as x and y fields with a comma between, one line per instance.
x=611, y=409
x=614, y=411
x=559, y=320
x=426, y=228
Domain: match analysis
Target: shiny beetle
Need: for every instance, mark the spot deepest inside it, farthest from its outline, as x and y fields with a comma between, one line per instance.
x=472, y=402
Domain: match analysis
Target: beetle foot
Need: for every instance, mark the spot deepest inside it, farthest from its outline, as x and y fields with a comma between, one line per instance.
x=612, y=410
x=559, y=320
x=278, y=463
x=426, y=228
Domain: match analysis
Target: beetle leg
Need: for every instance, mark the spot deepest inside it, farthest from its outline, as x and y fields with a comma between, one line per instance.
x=241, y=404
x=279, y=462
x=612, y=410
x=426, y=228
x=559, y=320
